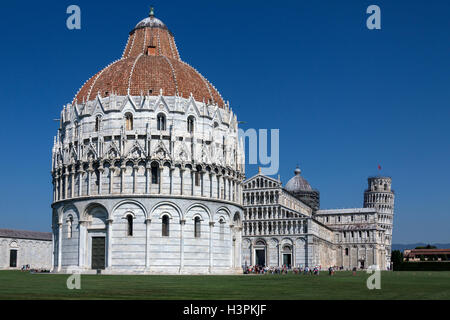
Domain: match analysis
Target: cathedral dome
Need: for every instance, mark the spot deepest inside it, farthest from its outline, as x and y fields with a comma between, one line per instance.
x=297, y=183
x=150, y=65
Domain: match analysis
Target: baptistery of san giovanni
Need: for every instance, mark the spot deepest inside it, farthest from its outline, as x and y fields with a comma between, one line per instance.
x=147, y=167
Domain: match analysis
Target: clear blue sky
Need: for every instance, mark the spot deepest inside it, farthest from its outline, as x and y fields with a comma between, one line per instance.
x=345, y=98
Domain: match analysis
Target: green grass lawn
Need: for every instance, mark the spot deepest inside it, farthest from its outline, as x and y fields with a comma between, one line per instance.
x=394, y=285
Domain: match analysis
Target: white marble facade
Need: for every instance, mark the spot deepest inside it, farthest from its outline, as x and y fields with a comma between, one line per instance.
x=279, y=229
x=21, y=249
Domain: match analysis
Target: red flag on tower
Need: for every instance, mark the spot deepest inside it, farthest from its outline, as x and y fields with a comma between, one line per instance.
x=379, y=167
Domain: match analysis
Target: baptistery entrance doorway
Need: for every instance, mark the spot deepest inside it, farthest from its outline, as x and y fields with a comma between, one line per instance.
x=98, y=253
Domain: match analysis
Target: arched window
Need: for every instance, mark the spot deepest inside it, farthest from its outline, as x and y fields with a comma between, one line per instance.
x=197, y=178
x=69, y=227
x=190, y=124
x=98, y=119
x=155, y=173
x=128, y=121
x=346, y=251
x=165, y=226
x=197, y=225
x=130, y=225
x=161, y=122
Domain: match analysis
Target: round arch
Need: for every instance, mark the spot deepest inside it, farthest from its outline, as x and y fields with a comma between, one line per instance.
x=137, y=203
x=168, y=203
x=201, y=206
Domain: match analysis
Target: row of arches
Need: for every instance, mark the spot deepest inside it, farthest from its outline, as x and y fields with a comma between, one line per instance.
x=275, y=227
x=259, y=183
x=261, y=197
x=161, y=123
x=275, y=252
x=164, y=237
x=145, y=177
x=379, y=197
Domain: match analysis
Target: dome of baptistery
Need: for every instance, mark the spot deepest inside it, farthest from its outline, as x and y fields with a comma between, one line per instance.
x=147, y=167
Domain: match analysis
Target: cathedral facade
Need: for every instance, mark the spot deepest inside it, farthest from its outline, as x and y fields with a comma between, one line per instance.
x=147, y=168
x=283, y=226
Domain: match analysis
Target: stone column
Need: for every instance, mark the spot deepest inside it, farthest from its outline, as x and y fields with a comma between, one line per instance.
x=90, y=170
x=122, y=171
x=280, y=255
x=350, y=257
x=135, y=171
x=239, y=246
x=66, y=183
x=59, y=245
x=211, y=261
x=53, y=248
x=210, y=185
x=233, y=249
x=182, y=223
x=375, y=262
x=147, y=177
x=218, y=185
x=100, y=179
x=109, y=242
x=147, y=243
x=112, y=170
x=80, y=182
x=72, y=182
x=357, y=257
x=293, y=262
x=161, y=174
x=171, y=169
x=82, y=244
x=181, y=180
x=202, y=186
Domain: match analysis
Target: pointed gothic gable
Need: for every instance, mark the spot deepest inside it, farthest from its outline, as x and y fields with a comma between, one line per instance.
x=113, y=151
x=182, y=152
x=205, y=154
x=161, y=105
x=128, y=101
x=161, y=152
x=98, y=107
x=135, y=151
x=73, y=154
x=217, y=116
x=191, y=107
x=91, y=152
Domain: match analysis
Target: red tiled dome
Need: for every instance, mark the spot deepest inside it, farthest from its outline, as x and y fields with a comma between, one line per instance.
x=150, y=63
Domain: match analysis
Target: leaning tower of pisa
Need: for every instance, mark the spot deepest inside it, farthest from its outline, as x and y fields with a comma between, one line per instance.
x=380, y=196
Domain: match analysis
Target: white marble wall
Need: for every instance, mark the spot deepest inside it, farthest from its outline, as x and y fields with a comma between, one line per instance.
x=217, y=250
x=36, y=253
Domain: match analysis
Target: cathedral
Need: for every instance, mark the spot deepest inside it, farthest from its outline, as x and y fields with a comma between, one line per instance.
x=148, y=177
x=284, y=226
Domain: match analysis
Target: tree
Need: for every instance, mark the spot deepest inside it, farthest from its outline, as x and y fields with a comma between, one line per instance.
x=397, y=259
x=428, y=246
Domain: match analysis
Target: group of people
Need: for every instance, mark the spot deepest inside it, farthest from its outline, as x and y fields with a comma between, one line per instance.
x=27, y=267
x=285, y=269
